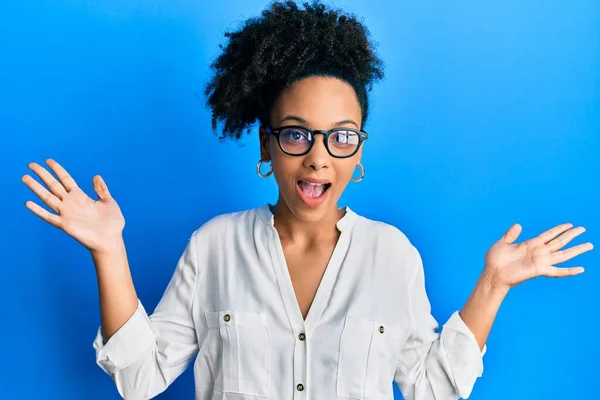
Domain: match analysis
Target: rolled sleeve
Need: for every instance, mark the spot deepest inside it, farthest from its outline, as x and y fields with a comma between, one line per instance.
x=127, y=345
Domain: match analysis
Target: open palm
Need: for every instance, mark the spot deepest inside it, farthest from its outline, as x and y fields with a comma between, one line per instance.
x=513, y=263
x=96, y=224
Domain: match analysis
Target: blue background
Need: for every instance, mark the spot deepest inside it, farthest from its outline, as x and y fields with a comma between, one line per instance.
x=489, y=115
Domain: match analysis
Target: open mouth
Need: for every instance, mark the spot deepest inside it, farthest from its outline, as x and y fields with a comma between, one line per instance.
x=313, y=190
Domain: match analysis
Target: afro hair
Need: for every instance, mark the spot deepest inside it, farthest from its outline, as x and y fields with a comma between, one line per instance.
x=285, y=44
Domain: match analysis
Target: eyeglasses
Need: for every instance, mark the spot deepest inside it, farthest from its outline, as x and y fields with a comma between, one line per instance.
x=297, y=140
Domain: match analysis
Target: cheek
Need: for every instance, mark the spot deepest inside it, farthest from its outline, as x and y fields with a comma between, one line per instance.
x=346, y=171
x=284, y=166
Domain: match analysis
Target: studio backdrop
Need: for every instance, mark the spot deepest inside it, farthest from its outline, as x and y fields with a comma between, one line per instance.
x=489, y=114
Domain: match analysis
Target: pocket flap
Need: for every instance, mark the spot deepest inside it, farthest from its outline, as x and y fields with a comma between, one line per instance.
x=362, y=326
x=224, y=318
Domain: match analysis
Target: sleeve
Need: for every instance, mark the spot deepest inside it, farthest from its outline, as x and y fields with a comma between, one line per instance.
x=432, y=365
x=149, y=352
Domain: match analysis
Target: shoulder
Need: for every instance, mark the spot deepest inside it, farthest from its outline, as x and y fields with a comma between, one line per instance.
x=383, y=232
x=388, y=241
x=218, y=225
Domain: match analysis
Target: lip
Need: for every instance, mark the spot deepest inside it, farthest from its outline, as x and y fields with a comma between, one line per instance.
x=309, y=201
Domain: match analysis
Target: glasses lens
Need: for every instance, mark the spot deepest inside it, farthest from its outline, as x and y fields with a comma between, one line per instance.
x=343, y=143
x=295, y=140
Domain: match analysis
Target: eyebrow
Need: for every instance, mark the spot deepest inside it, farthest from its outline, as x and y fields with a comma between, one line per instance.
x=303, y=121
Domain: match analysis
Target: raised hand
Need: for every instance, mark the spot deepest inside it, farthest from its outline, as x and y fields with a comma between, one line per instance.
x=508, y=263
x=96, y=224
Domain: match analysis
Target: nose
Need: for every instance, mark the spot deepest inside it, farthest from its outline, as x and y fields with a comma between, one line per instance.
x=318, y=157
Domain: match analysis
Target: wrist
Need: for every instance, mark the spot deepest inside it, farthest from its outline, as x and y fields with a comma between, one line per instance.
x=492, y=282
x=109, y=248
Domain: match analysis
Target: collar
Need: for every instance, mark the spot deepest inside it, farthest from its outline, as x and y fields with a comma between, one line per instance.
x=344, y=223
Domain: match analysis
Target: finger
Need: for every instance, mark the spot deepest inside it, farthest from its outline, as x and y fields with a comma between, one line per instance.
x=554, y=272
x=513, y=233
x=55, y=187
x=554, y=232
x=565, y=255
x=63, y=176
x=48, y=198
x=564, y=239
x=47, y=216
x=101, y=188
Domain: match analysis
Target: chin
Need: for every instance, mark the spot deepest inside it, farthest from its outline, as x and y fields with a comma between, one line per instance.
x=311, y=214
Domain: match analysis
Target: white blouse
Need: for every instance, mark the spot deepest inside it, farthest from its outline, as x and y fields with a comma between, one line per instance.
x=230, y=306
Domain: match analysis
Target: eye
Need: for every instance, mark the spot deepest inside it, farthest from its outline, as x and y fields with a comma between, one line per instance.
x=295, y=135
x=344, y=138
x=341, y=138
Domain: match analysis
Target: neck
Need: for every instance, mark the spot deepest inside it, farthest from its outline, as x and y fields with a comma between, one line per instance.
x=292, y=228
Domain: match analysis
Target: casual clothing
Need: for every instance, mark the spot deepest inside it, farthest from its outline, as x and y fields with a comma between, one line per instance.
x=230, y=308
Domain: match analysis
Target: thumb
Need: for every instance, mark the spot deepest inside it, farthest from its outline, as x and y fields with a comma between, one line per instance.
x=512, y=234
x=101, y=188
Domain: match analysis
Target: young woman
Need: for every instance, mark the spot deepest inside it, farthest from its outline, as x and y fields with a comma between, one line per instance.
x=301, y=299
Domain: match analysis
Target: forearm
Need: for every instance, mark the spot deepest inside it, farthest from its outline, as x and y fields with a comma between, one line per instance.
x=118, y=298
x=481, y=308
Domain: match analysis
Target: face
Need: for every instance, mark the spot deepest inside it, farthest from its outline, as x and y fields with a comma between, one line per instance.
x=311, y=185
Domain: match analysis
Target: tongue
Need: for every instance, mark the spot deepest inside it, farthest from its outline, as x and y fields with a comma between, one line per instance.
x=312, y=190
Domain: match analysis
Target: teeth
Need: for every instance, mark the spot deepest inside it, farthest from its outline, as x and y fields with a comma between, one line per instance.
x=314, y=184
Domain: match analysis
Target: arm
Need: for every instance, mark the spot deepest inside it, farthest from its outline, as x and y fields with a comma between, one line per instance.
x=432, y=365
x=481, y=308
x=445, y=366
x=118, y=298
x=143, y=354
x=147, y=353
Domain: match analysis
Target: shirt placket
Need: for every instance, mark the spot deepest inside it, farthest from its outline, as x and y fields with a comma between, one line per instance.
x=303, y=329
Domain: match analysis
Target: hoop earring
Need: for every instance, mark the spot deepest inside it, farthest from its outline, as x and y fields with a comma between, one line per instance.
x=362, y=173
x=260, y=163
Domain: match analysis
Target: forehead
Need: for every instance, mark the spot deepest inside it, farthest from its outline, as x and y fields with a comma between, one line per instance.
x=321, y=101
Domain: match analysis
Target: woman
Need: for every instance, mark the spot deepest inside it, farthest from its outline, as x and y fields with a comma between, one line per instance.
x=301, y=299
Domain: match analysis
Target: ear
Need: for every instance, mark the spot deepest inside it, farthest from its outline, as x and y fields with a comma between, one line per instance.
x=265, y=154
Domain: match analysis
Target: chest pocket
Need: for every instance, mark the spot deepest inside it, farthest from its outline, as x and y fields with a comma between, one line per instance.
x=239, y=352
x=367, y=360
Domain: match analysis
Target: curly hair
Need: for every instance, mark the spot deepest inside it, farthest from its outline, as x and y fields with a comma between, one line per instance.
x=281, y=46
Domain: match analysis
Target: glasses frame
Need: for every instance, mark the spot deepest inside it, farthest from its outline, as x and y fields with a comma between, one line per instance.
x=362, y=136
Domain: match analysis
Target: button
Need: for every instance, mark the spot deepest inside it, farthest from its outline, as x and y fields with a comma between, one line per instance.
x=381, y=329
x=300, y=387
x=227, y=317
x=302, y=336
